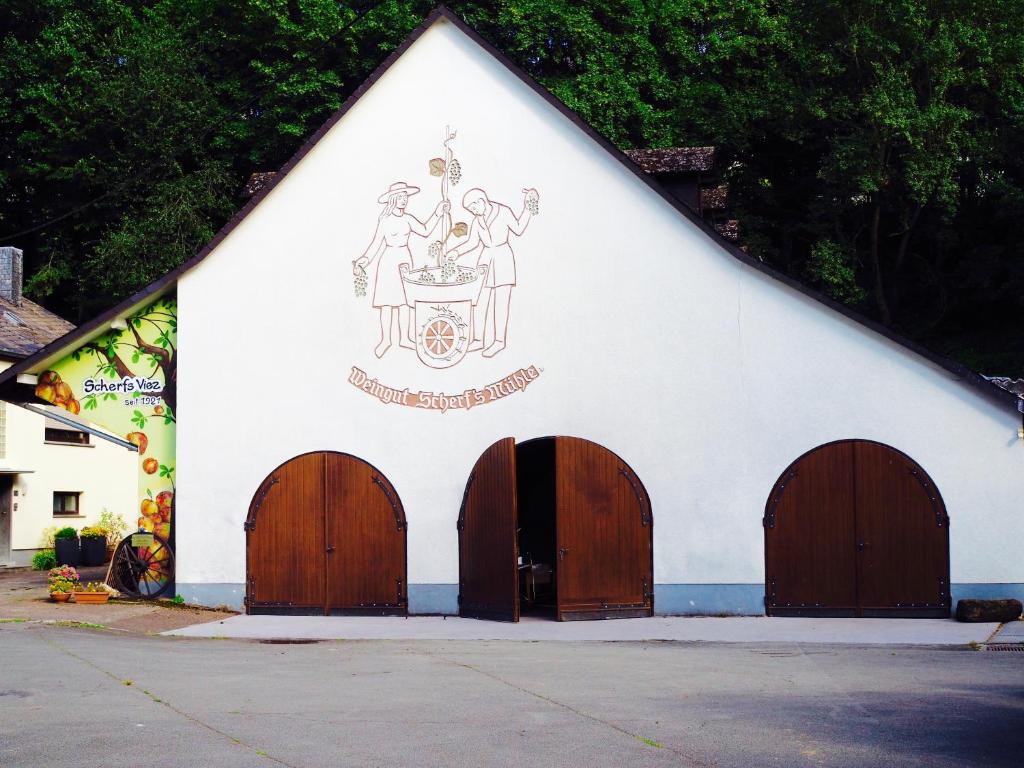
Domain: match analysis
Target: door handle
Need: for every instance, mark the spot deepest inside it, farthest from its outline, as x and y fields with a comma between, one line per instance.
x=561, y=552
x=862, y=545
x=330, y=548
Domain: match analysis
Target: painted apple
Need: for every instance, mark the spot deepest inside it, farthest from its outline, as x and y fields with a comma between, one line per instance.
x=140, y=440
x=163, y=499
x=62, y=393
x=158, y=410
x=46, y=392
x=150, y=465
x=74, y=406
x=49, y=377
x=149, y=509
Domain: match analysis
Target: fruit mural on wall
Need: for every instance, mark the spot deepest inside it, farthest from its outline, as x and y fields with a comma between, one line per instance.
x=125, y=381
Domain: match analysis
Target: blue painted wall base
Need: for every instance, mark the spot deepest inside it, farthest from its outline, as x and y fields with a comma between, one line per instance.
x=669, y=599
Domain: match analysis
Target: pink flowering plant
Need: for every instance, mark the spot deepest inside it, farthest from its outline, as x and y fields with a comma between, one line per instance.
x=63, y=579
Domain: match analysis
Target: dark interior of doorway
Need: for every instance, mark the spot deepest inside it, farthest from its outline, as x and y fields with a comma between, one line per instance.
x=538, y=560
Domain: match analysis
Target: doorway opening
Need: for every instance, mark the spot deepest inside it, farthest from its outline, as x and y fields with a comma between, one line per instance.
x=556, y=527
x=537, y=534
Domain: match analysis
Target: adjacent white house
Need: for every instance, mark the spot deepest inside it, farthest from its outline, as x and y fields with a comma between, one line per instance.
x=463, y=356
x=52, y=473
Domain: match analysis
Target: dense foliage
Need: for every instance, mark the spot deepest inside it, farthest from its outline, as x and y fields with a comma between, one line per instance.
x=874, y=148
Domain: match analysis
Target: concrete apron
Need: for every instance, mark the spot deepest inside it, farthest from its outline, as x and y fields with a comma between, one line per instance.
x=738, y=629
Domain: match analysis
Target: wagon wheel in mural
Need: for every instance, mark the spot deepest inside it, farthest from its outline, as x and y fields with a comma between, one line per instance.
x=145, y=572
x=439, y=337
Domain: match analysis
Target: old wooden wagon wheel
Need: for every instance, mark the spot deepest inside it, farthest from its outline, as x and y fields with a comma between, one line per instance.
x=145, y=572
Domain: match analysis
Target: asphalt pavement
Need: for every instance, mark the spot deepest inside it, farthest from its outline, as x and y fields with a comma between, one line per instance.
x=83, y=697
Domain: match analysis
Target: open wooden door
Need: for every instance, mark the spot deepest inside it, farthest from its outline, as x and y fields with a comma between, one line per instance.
x=488, y=548
x=604, y=540
x=365, y=540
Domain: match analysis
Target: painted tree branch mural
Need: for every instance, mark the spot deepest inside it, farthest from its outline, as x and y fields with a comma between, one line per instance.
x=126, y=381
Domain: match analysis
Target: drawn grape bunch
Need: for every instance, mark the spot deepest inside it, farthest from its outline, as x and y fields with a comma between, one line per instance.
x=434, y=251
x=532, y=203
x=360, y=282
x=454, y=172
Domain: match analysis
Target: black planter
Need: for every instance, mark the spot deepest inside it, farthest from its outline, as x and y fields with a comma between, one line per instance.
x=93, y=550
x=66, y=551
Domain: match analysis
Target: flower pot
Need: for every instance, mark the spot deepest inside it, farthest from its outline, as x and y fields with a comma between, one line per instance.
x=67, y=551
x=93, y=551
x=91, y=598
x=60, y=597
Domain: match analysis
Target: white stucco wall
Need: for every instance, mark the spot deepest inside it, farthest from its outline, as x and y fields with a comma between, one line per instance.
x=102, y=472
x=705, y=375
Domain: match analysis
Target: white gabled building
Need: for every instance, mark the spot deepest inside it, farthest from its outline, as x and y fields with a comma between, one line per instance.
x=598, y=408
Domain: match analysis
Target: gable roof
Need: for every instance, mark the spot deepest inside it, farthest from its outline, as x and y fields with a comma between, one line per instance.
x=674, y=159
x=165, y=284
x=27, y=327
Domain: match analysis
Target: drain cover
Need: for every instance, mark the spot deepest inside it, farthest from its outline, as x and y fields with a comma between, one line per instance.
x=288, y=641
x=1006, y=647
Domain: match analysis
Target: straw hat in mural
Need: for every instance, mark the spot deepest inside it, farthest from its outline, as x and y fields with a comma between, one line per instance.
x=398, y=186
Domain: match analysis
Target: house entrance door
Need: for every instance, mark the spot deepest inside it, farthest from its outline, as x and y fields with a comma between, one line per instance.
x=6, y=507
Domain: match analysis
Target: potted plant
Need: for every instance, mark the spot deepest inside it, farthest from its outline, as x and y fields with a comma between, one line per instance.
x=62, y=581
x=65, y=545
x=93, y=549
x=93, y=592
x=115, y=526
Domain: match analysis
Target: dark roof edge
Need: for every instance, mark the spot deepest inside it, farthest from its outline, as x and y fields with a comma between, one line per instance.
x=160, y=285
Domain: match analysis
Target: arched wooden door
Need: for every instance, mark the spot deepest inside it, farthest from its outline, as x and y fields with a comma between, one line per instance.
x=603, y=531
x=326, y=533
x=604, y=534
x=856, y=528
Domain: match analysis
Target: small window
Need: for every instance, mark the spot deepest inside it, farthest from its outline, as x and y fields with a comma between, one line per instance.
x=65, y=503
x=64, y=435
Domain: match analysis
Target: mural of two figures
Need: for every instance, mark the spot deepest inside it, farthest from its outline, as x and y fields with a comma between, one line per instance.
x=457, y=299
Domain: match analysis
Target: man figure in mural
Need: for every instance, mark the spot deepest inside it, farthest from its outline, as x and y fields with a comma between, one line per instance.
x=493, y=225
x=391, y=242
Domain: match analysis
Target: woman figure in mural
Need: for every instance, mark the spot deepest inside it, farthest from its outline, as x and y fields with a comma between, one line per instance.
x=391, y=243
x=493, y=225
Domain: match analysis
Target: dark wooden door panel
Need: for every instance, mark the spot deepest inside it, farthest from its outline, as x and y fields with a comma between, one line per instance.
x=810, y=535
x=365, y=539
x=285, y=543
x=488, y=549
x=902, y=535
x=604, y=539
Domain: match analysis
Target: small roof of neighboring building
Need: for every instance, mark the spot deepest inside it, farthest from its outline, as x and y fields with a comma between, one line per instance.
x=673, y=159
x=1014, y=386
x=28, y=327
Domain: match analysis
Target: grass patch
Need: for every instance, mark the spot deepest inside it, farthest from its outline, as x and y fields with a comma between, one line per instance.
x=650, y=742
x=79, y=625
x=13, y=621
